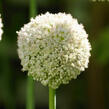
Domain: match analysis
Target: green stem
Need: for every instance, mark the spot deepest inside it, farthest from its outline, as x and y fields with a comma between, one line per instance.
x=30, y=82
x=52, y=98
x=32, y=8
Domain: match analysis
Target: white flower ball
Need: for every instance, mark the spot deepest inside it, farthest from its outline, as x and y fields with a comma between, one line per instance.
x=1, y=25
x=53, y=48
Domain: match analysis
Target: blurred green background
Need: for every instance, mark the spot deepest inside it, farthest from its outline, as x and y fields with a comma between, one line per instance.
x=90, y=90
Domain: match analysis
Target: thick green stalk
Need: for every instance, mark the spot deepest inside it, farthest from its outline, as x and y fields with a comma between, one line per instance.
x=33, y=8
x=30, y=82
x=52, y=98
x=30, y=94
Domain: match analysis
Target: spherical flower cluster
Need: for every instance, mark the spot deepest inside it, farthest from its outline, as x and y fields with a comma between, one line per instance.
x=53, y=48
x=1, y=25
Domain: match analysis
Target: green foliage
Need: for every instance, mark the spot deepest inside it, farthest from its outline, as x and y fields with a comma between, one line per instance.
x=102, y=47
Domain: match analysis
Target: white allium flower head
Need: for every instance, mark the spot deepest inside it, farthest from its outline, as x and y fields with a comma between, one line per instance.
x=1, y=25
x=53, y=48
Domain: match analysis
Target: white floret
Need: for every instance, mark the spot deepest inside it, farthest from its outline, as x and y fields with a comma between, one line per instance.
x=53, y=48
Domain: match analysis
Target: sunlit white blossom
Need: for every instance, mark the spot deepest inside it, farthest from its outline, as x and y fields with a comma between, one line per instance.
x=1, y=25
x=53, y=48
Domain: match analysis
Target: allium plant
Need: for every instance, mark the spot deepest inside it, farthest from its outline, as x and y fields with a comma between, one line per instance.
x=53, y=48
x=1, y=25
